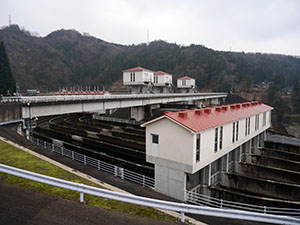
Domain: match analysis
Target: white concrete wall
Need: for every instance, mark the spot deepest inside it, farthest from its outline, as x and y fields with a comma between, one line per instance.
x=207, y=153
x=175, y=142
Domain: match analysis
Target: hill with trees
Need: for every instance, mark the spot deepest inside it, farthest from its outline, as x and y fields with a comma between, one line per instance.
x=66, y=58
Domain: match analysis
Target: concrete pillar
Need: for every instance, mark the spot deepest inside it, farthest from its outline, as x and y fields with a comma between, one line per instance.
x=209, y=174
x=170, y=181
x=137, y=113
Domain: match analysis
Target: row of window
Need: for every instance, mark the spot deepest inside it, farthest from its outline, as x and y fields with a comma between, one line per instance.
x=155, y=79
x=132, y=77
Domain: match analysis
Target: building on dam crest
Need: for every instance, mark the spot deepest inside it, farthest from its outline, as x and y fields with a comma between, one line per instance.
x=190, y=148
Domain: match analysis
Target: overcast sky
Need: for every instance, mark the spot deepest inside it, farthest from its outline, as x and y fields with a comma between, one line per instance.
x=269, y=26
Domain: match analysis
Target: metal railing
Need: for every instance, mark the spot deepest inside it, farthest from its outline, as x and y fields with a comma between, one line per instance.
x=215, y=178
x=283, y=139
x=35, y=99
x=98, y=164
x=193, y=196
x=149, y=202
x=116, y=120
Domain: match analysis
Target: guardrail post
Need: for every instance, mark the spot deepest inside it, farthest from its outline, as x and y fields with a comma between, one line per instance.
x=143, y=180
x=99, y=165
x=182, y=214
x=84, y=159
x=52, y=147
x=62, y=151
x=265, y=209
x=122, y=173
x=116, y=171
x=37, y=142
x=72, y=155
x=221, y=203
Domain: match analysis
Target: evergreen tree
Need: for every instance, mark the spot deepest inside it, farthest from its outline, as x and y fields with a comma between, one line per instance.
x=7, y=82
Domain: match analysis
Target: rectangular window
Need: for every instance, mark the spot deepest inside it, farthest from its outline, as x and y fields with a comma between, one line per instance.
x=216, y=139
x=198, y=147
x=133, y=75
x=131, y=78
x=265, y=119
x=233, y=132
x=237, y=130
x=155, y=138
x=256, y=122
x=249, y=125
x=221, y=138
x=246, y=127
x=183, y=82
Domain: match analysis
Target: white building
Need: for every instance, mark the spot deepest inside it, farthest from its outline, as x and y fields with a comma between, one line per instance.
x=186, y=84
x=189, y=147
x=140, y=79
x=162, y=82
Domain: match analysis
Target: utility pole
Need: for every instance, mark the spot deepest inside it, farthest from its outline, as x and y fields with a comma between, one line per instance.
x=9, y=20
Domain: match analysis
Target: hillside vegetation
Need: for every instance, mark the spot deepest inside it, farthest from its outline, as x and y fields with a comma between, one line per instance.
x=66, y=57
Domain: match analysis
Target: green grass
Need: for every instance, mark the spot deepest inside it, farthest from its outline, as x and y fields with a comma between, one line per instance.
x=12, y=156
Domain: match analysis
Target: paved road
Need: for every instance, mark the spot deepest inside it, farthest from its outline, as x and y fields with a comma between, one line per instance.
x=9, y=132
x=23, y=206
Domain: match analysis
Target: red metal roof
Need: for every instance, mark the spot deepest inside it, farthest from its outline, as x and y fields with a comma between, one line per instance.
x=202, y=119
x=136, y=69
x=160, y=73
x=185, y=78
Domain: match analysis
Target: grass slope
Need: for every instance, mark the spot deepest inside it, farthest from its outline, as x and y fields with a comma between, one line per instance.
x=12, y=156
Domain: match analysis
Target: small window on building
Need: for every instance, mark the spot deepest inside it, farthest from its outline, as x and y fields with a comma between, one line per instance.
x=256, y=122
x=249, y=125
x=237, y=131
x=155, y=138
x=246, y=126
x=233, y=132
x=265, y=119
x=133, y=76
x=221, y=138
x=183, y=82
x=216, y=139
x=198, y=141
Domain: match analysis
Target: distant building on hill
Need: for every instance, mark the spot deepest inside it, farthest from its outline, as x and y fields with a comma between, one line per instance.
x=162, y=82
x=139, y=78
x=186, y=84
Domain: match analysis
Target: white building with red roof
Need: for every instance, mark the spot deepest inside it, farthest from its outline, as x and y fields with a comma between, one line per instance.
x=138, y=78
x=186, y=84
x=162, y=82
x=191, y=147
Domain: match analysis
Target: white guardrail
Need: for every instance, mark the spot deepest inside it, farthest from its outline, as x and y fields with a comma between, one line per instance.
x=98, y=164
x=149, y=202
x=200, y=199
x=58, y=98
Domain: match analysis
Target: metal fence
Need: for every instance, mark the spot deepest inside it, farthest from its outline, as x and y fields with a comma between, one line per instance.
x=193, y=196
x=116, y=120
x=283, y=139
x=98, y=164
x=149, y=202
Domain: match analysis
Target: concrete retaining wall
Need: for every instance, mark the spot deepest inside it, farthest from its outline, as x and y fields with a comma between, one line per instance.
x=10, y=111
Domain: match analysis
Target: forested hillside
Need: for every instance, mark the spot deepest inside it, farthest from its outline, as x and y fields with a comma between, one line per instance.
x=66, y=57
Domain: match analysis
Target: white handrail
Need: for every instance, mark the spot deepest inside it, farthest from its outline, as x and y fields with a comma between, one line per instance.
x=148, y=202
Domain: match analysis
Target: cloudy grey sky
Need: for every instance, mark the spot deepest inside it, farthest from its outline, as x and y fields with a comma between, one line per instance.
x=270, y=26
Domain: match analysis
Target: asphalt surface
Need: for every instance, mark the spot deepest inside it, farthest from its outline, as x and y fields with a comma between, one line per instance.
x=9, y=132
x=22, y=206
